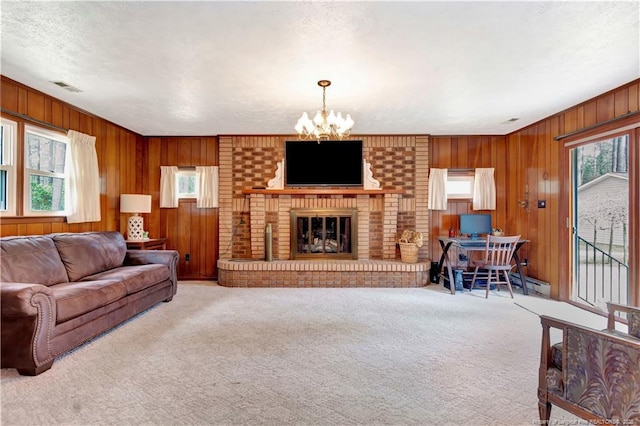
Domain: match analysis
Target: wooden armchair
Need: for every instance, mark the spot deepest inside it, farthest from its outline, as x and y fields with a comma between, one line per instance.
x=592, y=374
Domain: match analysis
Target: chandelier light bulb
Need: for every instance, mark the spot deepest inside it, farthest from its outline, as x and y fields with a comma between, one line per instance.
x=318, y=119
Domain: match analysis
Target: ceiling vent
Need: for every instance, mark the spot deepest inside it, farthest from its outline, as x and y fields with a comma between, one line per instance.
x=66, y=86
x=511, y=120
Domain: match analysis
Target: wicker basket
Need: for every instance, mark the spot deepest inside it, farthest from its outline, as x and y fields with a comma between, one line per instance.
x=409, y=252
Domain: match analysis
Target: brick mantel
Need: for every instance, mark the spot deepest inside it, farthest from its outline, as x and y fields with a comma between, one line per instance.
x=281, y=202
x=322, y=191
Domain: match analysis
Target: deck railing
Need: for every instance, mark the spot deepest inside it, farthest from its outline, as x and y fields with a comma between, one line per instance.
x=600, y=277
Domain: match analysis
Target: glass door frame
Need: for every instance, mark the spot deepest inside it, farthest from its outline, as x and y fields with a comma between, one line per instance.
x=567, y=213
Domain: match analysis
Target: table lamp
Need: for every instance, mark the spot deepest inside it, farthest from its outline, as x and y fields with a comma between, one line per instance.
x=135, y=203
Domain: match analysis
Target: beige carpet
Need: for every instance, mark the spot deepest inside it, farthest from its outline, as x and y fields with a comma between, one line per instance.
x=230, y=356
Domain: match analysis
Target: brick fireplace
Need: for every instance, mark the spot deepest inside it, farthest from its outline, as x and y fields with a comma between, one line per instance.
x=377, y=208
x=247, y=163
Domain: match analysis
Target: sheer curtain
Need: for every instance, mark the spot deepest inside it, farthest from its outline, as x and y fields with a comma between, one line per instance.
x=168, y=190
x=438, y=189
x=207, y=181
x=484, y=190
x=83, y=179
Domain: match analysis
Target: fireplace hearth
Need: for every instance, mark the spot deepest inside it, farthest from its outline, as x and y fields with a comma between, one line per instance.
x=324, y=234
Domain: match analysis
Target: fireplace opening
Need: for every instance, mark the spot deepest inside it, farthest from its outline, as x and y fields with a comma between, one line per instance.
x=324, y=233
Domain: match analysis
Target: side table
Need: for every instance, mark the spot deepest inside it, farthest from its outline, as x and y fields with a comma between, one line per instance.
x=150, y=244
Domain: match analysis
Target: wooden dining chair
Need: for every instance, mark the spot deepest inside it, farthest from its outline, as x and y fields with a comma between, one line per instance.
x=497, y=258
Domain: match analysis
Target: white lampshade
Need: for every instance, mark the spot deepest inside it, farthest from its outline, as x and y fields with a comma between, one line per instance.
x=135, y=203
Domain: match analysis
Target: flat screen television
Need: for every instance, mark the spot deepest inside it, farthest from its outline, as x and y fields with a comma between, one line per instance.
x=475, y=224
x=328, y=163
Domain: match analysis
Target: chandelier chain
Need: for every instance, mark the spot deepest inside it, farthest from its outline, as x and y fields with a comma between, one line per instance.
x=324, y=100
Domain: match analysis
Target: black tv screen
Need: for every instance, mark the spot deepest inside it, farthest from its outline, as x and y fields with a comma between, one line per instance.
x=328, y=163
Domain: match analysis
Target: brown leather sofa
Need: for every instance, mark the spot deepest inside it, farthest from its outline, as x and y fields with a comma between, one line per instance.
x=57, y=291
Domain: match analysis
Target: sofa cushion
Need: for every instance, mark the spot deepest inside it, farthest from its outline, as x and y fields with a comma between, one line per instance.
x=88, y=253
x=76, y=298
x=135, y=278
x=32, y=259
x=556, y=356
x=554, y=382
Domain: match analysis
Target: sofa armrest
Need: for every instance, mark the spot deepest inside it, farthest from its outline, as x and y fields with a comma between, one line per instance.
x=164, y=257
x=17, y=299
x=28, y=317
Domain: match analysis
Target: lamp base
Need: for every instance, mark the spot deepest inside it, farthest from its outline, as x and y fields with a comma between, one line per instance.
x=135, y=228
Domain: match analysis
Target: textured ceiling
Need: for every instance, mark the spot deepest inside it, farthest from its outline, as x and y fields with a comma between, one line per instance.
x=207, y=68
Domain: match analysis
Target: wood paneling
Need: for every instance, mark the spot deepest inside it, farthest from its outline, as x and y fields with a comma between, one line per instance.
x=531, y=158
x=189, y=229
x=116, y=149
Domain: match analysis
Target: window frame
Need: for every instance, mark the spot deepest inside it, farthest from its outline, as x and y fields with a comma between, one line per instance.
x=27, y=172
x=8, y=163
x=186, y=173
x=453, y=177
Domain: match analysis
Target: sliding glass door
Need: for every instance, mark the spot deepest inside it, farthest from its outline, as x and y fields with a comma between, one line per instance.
x=600, y=221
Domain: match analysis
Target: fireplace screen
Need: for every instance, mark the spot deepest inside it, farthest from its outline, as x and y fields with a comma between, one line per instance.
x=323, y=233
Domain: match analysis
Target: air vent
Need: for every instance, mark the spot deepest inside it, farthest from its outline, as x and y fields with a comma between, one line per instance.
x=66, y=86
x=511, y=120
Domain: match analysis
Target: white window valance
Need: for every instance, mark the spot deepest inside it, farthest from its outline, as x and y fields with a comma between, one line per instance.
x=207, y=184
x=168, y=187
x=438, y=189
x=484, y=190
x=83, y=179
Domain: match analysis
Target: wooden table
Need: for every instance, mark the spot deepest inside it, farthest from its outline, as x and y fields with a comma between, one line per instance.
x=150, y=244
x=468, y=244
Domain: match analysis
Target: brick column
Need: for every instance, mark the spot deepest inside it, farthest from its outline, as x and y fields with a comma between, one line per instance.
x=422, y=194
x=257, y=222
x=362, y=203
x=284, y=227
x=225, y=193
x=390, y=225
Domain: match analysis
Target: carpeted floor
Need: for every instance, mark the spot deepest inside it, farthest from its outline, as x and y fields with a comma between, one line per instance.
x=276, y=356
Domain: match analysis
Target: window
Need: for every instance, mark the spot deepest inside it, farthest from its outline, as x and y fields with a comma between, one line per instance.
x=8, y=136
x=186, y=183
x=460, y=186
x=44, y=180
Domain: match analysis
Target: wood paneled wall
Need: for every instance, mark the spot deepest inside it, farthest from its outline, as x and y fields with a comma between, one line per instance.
x=531, y=159
x=467, y=152
x=129, y=163
x=189, y=229
x=118, y=155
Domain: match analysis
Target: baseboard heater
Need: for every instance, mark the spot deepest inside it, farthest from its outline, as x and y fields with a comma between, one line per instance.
x=533, y=284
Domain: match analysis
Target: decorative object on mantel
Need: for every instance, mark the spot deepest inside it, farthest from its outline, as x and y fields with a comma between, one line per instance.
x=369, y=181
x=278, y=181
x=409, y=242
x=324, y=126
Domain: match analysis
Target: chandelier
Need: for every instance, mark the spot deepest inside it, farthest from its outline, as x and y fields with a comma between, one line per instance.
x=324, y=126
